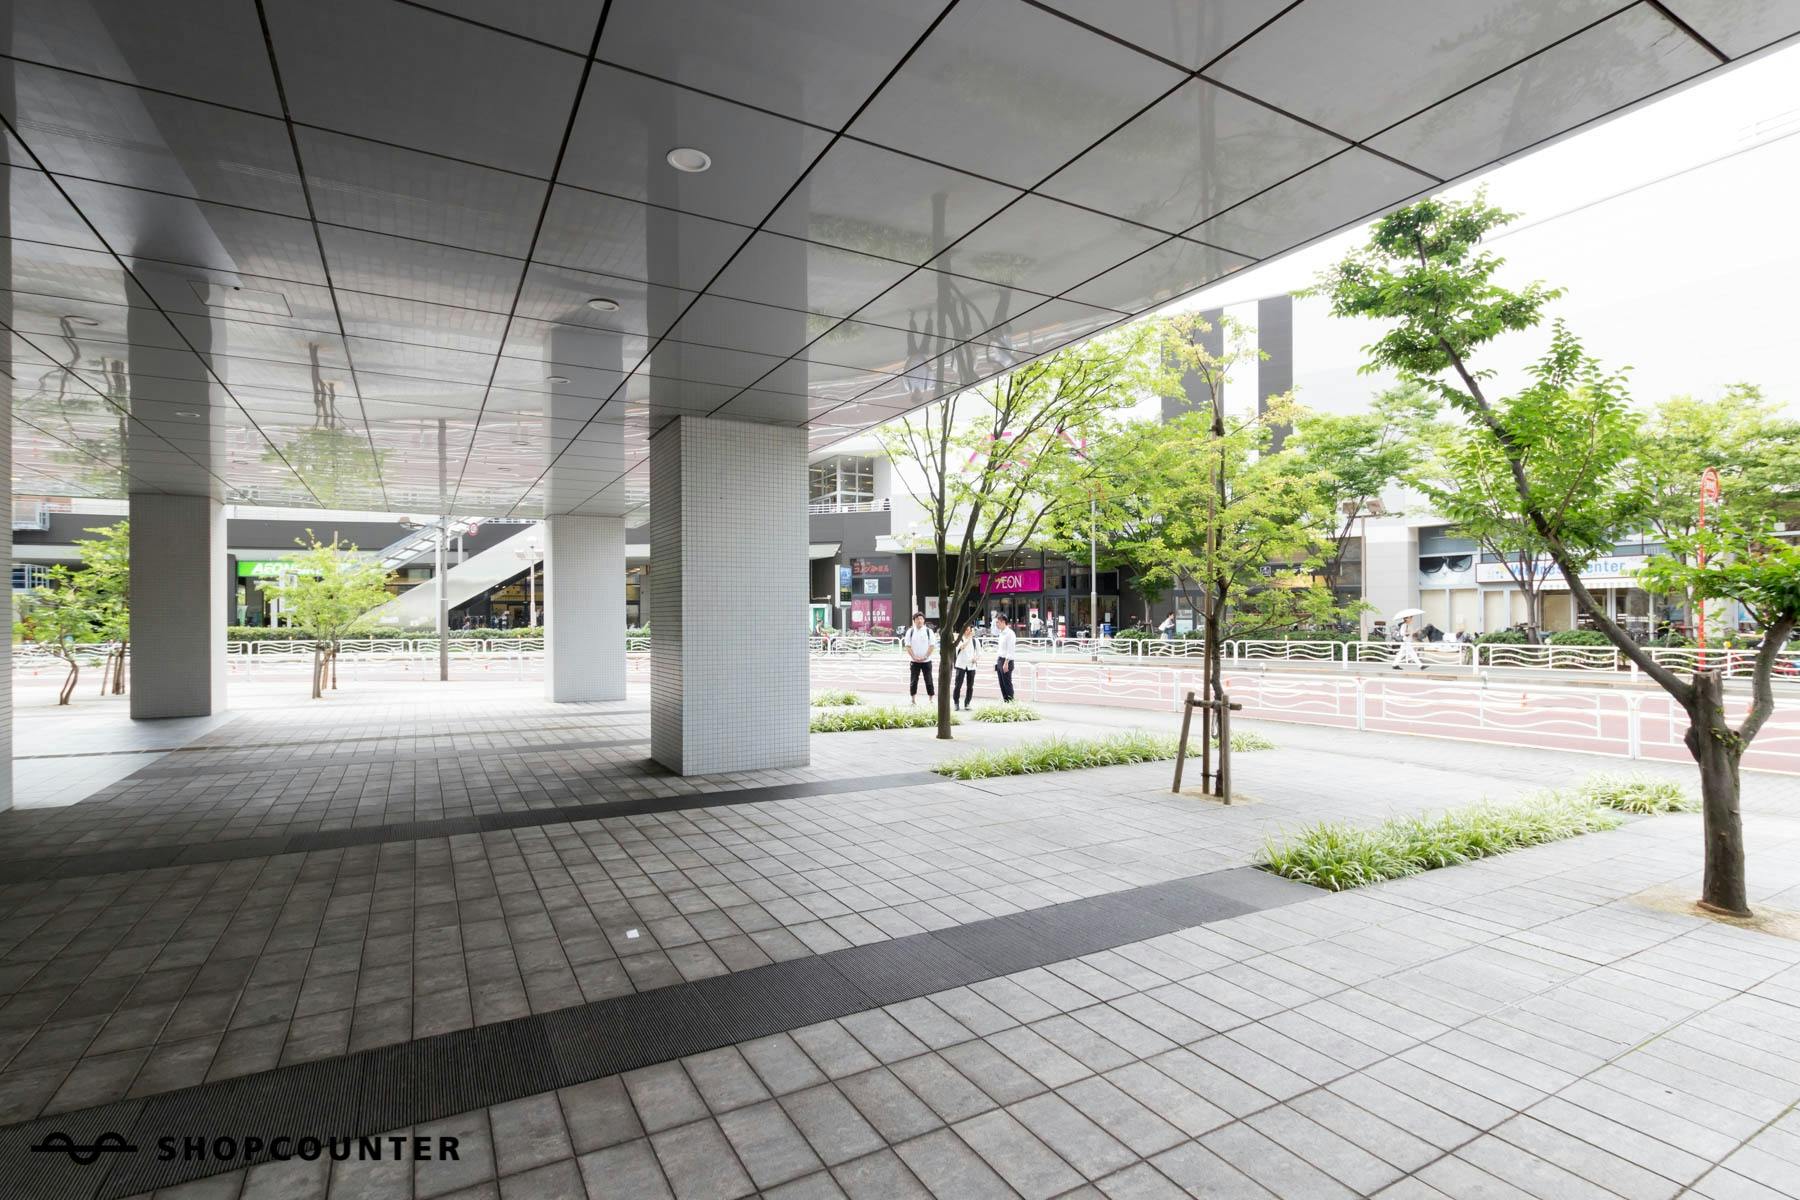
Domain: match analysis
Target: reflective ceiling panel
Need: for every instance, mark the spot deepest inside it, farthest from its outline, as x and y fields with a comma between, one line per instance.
x=288, y=269
x=1357, y=66
x=1191, y=32
x=812, y=60
x=1010, y=92
x=1631, y=55
x=1191, y=156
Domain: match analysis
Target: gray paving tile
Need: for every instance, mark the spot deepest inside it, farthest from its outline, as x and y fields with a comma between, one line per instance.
x=768, y=1144
x=625, y=1169
x=946, y=1165
x=699, y=1162
x=834, y=1127
x=1017, y=1155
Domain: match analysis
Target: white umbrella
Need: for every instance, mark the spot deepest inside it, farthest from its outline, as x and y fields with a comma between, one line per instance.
x=1404, y=613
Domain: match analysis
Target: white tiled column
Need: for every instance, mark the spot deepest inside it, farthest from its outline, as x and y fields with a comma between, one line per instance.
x=584, y=608
x=177, y=605
x=728, y=680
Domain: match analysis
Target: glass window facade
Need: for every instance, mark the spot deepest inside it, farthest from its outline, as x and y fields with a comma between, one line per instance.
x=848, y=479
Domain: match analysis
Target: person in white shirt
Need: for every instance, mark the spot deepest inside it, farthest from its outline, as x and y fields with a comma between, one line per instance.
x=962, y=691
x=1408, y=654
x=919, y=644
x=1004, y=654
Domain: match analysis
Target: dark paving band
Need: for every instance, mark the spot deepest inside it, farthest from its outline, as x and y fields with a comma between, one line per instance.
x=146, y=858
x=426, y=1080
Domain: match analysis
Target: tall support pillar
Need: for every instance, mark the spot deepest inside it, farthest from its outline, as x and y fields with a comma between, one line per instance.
x=728, y=547
x=177, y=606
x=584, y=608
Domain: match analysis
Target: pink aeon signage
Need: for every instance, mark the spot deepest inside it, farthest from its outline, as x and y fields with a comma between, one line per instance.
x=1008, y=583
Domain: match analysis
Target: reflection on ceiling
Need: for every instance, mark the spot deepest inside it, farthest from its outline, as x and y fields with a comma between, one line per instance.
x=373, y=254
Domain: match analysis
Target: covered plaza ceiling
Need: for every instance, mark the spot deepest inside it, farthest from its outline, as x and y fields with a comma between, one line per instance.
x=329, y=252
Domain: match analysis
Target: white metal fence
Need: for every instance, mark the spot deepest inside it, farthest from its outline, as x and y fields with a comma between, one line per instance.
x=1631, y=723
x=1737, y=664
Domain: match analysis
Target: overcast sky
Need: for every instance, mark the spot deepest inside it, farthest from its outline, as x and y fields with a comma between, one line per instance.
x=1675, y=230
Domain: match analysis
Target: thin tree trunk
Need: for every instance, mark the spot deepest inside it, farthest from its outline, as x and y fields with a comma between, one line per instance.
x=332, y=659
x=106, y=673
x=318, y=672
x=68, y=688
x=946, y=674
x=119, y=669
x=1718, y=748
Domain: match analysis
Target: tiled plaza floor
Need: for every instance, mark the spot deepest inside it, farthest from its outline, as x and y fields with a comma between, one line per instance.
x=1528, y=1025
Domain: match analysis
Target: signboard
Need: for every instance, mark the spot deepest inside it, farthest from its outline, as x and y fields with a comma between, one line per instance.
x=843, y=585
x=1616, y=570
x=931, y=608
x=871, y=566
x=262, y=570
x=1012, y=583
x=865, y=614
x=871, y=587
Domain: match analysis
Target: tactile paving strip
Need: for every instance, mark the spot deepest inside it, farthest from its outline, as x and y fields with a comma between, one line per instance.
x=403, y=1085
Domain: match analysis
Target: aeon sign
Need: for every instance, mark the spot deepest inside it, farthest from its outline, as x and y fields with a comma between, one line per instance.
x=1009, y=583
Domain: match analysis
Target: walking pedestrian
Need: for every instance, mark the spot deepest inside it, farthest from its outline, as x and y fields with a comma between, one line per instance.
x=919, y=644
x=1004, y=654
x=1408, y=654
x=1167, y=628
x=962, y=691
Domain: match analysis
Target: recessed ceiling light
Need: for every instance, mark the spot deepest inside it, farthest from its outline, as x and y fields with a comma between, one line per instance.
x=187, y=414
x=686, y=158
x=75, y=320
x=602, y=304
x=556, y=379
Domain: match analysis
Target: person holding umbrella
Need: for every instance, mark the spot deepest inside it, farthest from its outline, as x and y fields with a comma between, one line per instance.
x=1408, y=653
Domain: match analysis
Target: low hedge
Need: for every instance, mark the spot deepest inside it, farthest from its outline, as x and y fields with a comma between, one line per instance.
x=1579, y=637
x=1637, y=794
x=1338, y=857
x=1005, y=714
x=856, y=720
x=835, y=699
x=1077, y=753
x=1502, y=637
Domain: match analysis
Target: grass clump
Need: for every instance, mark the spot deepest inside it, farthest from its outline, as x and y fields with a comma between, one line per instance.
x=853, y=720
x=1338, y=857
x=1244, y=739
x=831, y=699
x=1637, y=794
x=1001, y=714
x=1077, y=753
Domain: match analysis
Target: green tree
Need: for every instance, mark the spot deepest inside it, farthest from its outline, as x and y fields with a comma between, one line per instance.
x=991, y=464
x=1200, y=506
x=1360, y=455
x=1741, y=434
x=58, y=617
x=105, y=581
x=325, y=591
x=1567, y=440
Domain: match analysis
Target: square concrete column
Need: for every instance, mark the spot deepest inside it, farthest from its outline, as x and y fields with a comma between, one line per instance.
x=728, y=654
x=584, y=608
x=177, y=605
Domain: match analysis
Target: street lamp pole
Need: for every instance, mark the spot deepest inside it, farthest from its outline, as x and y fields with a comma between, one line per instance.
x=443, y=538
